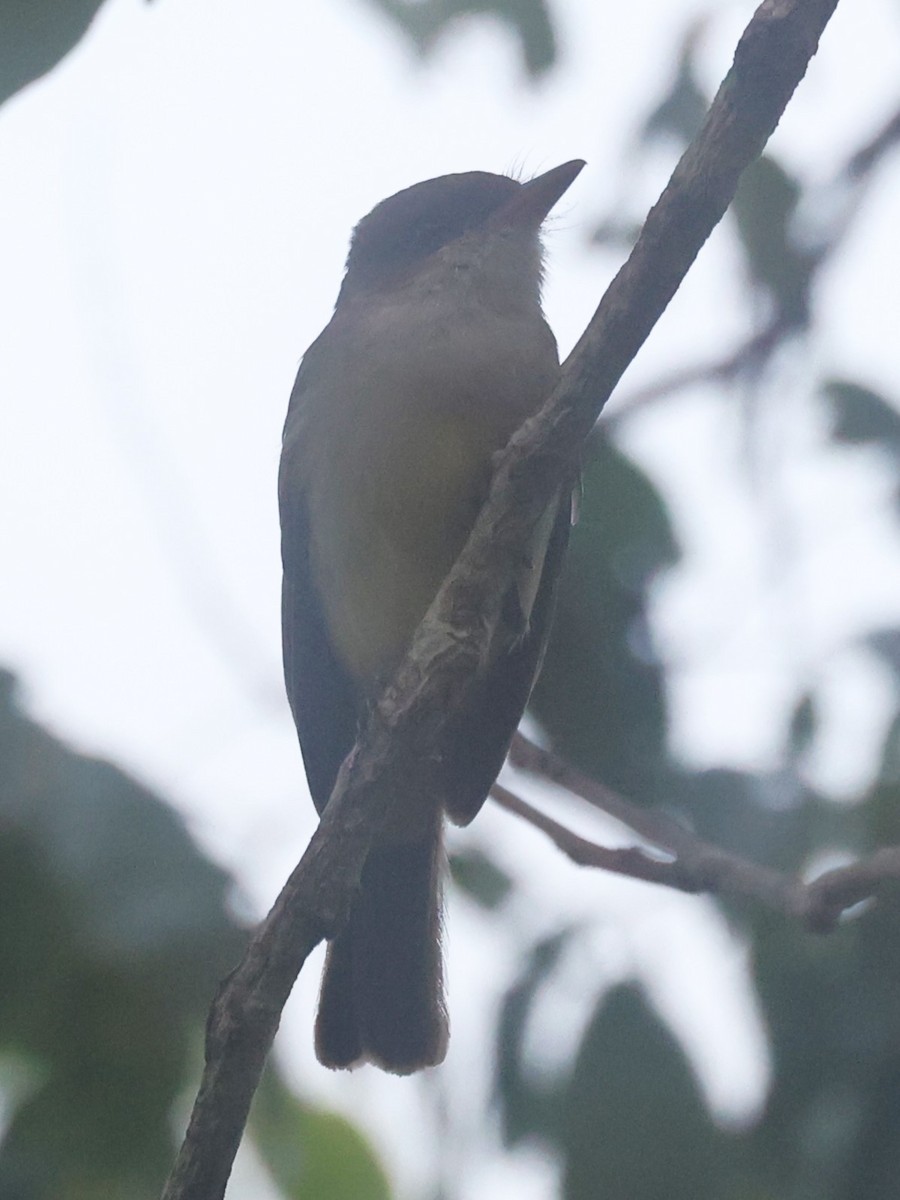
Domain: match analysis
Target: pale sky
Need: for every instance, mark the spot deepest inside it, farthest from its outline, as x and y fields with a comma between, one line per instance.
x=176, y=206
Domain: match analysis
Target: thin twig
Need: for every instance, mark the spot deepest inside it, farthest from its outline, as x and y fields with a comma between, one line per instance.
x=752, y=353
x=630, y=860
x=871, y=154
x=837, y=890
x=702, y=867
x=696, y=865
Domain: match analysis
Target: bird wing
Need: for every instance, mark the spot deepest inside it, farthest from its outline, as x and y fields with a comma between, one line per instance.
x=323, y=700
x=479, y=737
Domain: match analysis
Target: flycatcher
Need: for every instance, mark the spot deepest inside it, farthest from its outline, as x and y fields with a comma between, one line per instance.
x=437, y=351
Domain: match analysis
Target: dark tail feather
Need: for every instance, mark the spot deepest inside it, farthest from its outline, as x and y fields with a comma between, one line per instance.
x=382, y=996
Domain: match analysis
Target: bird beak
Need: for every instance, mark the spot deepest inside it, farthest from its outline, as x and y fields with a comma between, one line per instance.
x=533, y=201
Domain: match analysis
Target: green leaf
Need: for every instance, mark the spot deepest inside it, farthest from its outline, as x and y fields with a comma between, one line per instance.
x=862, y=417
x=681, y=111
x=764, y=207
x=311, y=1152
x=525, y=1106
x=615, y=232
x=636, y=1126
x=885, y=643
x=803, y=727
x=114, y=932
x=425, y=22
x=480, y=878
x=97, y=1123
x=36, y=34
x=831, y=1128
x=600, y=695
x=881, y=808
x=766, y=818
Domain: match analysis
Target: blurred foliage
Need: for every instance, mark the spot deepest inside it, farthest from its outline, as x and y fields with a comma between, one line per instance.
x=679, y=113
x=36, y=34
x=480, y=878
x=626, y=1119
x=600, y=695
x=114, y=929
x=114, y=933
x=674, y=1152
x=334, y=1159
x=527, y=1109
x=862, y=417
x=764, y=209
x=426, y=22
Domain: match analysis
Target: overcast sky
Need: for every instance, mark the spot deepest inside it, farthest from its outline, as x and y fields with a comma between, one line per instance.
x=176, y=206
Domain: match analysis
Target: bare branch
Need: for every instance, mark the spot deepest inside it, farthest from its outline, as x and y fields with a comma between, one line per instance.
x=630, y=861
x=750, y=356
x=459, y=630
x=650, y=824
x=701, y=866
x=871, y=154
x=696, y=865
x=837, y=890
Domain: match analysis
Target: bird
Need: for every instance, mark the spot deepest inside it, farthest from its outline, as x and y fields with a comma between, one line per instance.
x=437, y=351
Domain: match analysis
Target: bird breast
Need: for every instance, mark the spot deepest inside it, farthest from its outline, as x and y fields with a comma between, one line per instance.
x=394, y=442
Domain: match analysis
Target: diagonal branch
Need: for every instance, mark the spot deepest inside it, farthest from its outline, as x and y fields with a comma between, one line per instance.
x=744, y=359
x=457, y=633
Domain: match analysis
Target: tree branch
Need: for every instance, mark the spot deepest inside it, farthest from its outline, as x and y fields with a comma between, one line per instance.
x=458, y=632
x=631, y=861
x=750, y=356
x=695, y=865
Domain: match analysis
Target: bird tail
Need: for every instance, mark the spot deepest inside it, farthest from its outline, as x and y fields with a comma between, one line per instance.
x=382, y=997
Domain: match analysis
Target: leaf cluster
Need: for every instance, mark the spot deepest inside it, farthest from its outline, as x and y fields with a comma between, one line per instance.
x=115, y=930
